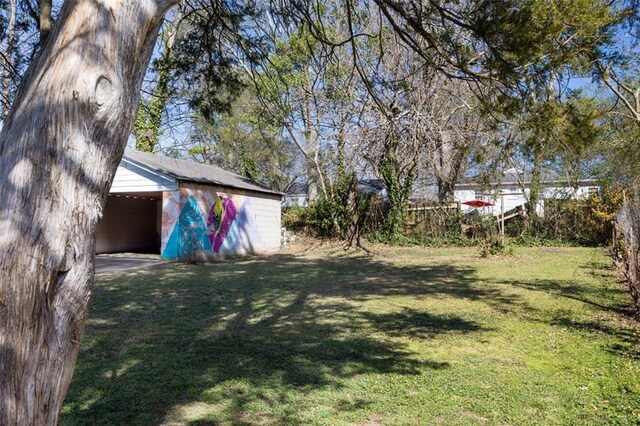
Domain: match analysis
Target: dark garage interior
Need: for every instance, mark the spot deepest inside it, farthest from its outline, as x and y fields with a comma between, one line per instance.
x=131, y=223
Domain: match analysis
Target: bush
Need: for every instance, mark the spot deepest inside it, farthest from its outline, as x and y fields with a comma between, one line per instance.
x=298, y=219
x=582, y=222
x=320, y=219
x=331, y=216
x=494, y=246
x=484, y=229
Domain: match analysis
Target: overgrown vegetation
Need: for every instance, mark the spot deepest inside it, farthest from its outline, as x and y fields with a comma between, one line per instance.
x=581, y=222
x=333, y=215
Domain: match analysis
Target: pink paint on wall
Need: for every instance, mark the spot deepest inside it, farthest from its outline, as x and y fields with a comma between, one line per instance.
x=221, y=217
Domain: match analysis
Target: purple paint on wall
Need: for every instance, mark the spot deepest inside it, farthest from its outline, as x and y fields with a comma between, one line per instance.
x=221, y=217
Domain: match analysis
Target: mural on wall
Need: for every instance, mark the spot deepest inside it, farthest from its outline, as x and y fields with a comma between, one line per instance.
x=199, y=219
x=221, y=217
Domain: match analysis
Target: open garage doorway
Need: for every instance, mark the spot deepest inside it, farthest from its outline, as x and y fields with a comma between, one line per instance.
x=131, y=223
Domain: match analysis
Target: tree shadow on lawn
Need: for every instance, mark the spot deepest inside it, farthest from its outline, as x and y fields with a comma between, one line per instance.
x=247, y=334
x=627, y=342
x=598, y=269
x=626, y=334
x=600, y=298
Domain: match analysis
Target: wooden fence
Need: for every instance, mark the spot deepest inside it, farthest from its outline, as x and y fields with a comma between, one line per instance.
x=433, y=220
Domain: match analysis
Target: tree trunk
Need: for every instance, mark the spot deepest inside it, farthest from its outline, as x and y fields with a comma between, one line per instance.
x=534, y=190
x=59, y=149
x=446, y=190
x=447, y=160
x=147, y=128
x=398, y=188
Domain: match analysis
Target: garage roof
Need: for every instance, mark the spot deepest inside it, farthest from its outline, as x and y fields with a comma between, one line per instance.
x=193, y=172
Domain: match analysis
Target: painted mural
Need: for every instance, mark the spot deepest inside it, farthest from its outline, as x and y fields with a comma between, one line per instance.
x=221, y=217
x=198, y=219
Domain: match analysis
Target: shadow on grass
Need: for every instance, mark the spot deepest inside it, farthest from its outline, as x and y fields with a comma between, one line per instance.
x=599, y=269
x=412, y=324
x=601, y=298
x=250, y=333
x=627, y=340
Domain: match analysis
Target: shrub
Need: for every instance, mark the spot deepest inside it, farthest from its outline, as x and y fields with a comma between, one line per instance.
x=297, y=218
x=584, y=222
x=333, y=215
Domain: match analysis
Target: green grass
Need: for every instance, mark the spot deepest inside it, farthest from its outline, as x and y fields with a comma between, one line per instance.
x=405, y=336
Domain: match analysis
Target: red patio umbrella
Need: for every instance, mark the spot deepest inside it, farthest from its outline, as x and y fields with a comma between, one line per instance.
x=478, y=203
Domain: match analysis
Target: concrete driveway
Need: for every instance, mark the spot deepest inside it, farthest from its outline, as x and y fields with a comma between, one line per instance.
x=117, y=262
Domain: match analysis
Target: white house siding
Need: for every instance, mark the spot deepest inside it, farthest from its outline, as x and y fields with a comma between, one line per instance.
x=217, y=222
x=295, y=200
x=512, y=197
x=134, y=178
x=464, y=195
x=507, y=200
x=586, y=191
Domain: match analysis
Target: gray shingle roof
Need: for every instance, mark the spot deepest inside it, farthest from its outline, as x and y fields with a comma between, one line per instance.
x=371, y=186
x=298, y=188
x=367, y=186
x=516, y=177
x=194, y=172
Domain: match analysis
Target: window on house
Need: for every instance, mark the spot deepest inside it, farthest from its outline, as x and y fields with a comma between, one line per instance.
x=592, y=190
x=479, y=195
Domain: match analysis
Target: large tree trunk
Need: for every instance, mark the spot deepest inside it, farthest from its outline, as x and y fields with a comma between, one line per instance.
x=59, y=149
x=447, y=160
x=446, y=190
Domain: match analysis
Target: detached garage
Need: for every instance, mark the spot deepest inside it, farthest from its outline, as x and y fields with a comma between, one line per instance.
x=180, y=209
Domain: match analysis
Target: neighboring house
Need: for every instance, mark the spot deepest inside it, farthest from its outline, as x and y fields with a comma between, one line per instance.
x=178, y=209
x=297, y=194
x=372, y=186
x=512, y=190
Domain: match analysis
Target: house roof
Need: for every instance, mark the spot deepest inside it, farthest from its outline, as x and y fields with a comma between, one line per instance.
x=297, y=189
x=367, y=186
x=514, y=177
x=193, y=172
x=371, y=186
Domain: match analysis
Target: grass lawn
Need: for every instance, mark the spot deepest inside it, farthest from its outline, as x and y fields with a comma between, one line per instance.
x=322, y=336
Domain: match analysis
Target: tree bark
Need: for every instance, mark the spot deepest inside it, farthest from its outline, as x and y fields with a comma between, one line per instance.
x=534, y=189
x=59, y=149
x=447, y=160
x=446, y=190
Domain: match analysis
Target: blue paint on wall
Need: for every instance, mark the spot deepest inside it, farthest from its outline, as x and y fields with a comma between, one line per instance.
x=190, y=234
